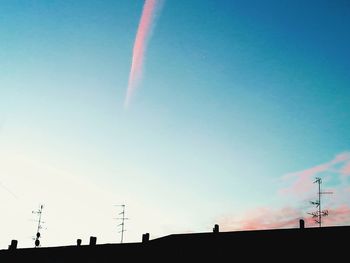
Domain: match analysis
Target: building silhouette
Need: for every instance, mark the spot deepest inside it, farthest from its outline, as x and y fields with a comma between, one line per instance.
x=277, y=245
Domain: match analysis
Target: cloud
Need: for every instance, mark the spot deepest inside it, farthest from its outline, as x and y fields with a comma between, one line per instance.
x=338, y=216
x=263, y=218
x=146, y=24
x=346, y=169
x=286, y=217
x=300, y=182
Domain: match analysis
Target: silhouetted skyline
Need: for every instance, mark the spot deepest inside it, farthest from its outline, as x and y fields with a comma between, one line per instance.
x=307, y=243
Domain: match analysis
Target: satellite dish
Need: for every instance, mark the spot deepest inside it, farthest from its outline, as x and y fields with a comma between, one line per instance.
x=37, y=242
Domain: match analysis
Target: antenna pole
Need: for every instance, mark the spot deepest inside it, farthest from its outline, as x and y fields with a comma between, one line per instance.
x=122, y=224
x=123, y=218
x=39, y=213
x=319, y=201
x=319, y=213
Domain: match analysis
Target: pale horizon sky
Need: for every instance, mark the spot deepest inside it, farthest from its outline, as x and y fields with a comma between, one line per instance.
x=235, y=108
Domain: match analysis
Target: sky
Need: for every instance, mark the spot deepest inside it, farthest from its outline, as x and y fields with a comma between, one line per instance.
x=190, y=113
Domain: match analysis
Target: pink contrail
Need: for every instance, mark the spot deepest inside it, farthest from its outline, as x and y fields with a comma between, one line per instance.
x=142, y=36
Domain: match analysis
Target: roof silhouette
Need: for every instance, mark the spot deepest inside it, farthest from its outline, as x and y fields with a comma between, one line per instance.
x=299, y=244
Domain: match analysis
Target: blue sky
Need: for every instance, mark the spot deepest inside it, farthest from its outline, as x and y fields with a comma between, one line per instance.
x=234, y=96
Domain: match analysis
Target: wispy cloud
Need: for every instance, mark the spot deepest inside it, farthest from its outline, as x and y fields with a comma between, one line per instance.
x=262, y=218
x=285, y=217
x=299, y=185
x=346, y=169
x=299, y=182
x=146, y=24
x=338, y=216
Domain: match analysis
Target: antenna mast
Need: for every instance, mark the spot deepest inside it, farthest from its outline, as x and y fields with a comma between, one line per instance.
x=122, y=224
x=39, y=213
x=317, y=215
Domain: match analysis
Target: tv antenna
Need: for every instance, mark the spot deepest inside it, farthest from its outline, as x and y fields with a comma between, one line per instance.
x=122, y=224
x=319, y=213
x=39, y=213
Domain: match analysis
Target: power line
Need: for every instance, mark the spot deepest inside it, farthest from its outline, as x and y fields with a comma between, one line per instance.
x=8, y=190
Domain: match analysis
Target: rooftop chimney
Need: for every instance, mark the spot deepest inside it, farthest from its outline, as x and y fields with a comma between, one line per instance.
x=145, y=237
x=13, y=245
x=216, y=228
x=92, y=241
x=79, y=242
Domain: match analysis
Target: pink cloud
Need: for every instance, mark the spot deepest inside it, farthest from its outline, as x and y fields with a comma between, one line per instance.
x=342, y=157
x=142, y=36
x=263, y=218
x=337, y=216
x=302, y=180
x=346, y=169
x=300, y=183
x=287, y=217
